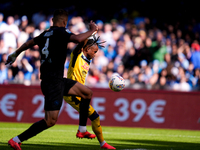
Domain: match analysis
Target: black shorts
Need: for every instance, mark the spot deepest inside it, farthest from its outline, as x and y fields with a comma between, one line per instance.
x=53, y=91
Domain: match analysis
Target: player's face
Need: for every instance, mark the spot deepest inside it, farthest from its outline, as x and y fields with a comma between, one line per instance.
x=92, y=51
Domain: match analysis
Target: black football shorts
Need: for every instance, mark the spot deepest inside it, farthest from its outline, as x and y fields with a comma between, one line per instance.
x=53, y=91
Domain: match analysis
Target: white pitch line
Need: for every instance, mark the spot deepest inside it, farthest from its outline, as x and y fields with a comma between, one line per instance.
x=134, y=134
x=142, y=134
x=53, y=130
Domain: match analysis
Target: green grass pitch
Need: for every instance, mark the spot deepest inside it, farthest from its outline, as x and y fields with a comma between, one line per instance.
x=62, y=137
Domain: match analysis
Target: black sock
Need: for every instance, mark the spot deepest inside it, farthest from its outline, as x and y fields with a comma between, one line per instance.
x=84, y=106
x=33, y=130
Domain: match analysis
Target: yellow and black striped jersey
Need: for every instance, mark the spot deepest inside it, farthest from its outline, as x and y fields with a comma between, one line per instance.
x=78, y=67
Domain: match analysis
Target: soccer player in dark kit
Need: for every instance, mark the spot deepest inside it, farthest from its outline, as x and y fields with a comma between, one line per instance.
x=53, y=49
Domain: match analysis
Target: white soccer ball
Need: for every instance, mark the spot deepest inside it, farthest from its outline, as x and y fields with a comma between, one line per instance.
x=116, y=82
x=115, y=74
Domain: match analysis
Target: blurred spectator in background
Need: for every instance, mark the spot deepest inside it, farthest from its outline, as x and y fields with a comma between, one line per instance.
x=38, y=17
x=9, y=35
x=159, y=48
x=195, y=58
x=41, y=28
x=110, y=52
x=23, y=23
x=129, y=59
x=2, y=24
x=3, y=73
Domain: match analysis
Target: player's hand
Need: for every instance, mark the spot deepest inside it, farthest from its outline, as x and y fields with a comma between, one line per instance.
x=11, y=58
x=93, y=27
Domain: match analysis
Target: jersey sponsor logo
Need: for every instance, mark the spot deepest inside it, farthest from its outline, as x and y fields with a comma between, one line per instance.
x=85, y=66
x=84, y=73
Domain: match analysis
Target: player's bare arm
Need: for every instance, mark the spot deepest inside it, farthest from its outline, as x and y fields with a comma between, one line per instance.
x=79, y=48
x=81, y=37
x=12, y=57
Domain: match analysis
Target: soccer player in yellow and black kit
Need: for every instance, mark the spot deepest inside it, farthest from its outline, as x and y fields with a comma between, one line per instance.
x=78, y=68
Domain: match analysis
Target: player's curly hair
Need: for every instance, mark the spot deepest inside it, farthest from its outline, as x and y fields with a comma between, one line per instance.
x=89, y=42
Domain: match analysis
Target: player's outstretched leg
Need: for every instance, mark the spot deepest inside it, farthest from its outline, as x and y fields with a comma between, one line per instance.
x=86, y=94
x=107, y=146
x=34, y=129
x=14, y=145
x=85, y=135
x=75, y=101
x=96, y=127
x=82, y=131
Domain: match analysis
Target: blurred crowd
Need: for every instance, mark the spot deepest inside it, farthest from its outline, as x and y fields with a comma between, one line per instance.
x=146, y=56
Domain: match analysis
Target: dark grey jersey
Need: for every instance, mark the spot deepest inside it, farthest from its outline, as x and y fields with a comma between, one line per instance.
x=53, y=49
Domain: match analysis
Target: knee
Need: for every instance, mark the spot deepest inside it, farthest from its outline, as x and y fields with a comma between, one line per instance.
x=51, y=122
x=89, y=94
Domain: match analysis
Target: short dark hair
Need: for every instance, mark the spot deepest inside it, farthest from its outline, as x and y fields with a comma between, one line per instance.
x=60, y=12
